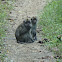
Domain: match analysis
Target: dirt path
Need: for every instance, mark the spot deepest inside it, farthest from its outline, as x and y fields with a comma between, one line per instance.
x=32, y=52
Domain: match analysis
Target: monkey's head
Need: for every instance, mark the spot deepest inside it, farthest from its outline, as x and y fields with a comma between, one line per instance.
x=27, y=24
x=34, y=20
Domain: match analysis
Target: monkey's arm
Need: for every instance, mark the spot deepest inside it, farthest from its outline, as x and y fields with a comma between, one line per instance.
x=31, y=39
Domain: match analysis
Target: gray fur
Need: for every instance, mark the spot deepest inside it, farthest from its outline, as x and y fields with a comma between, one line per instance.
x=22, y=33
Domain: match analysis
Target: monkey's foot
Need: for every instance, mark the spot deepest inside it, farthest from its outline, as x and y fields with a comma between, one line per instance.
x=18, y=41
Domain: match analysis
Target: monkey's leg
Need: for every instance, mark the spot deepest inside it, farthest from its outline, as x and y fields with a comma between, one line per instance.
x=18, y=41
x=21, y=42
x=35, y=38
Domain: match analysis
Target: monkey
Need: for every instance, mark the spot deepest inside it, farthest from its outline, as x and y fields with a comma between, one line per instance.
x=22, y=33
x=33, y=29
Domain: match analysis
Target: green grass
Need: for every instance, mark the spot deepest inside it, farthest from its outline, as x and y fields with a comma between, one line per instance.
x=51, y=22
x=4, y=9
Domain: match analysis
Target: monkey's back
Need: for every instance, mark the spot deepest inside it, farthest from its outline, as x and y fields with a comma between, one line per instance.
x=21, y=33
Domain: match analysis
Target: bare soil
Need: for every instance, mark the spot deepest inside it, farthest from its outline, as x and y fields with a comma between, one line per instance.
x=27, y=52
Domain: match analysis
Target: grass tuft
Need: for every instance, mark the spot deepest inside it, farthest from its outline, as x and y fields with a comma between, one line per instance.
x=51, y=22
x=5, y=7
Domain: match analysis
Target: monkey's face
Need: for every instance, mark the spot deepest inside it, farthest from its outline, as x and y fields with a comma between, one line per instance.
x=34, y=20
x=27, y=24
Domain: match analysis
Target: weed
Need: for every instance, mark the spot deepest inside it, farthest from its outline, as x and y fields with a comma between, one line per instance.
x=4, y=8
x=51, y=22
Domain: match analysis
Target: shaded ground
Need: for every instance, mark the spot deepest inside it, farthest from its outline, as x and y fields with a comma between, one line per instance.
x=32, y=52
